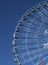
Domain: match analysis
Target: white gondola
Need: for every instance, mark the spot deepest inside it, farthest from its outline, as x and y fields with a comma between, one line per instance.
x=14, y=50
x=28, y=13
x=14, y=42
x=33, y=9
x=44, y=3
x=20, y=24
x=38, y=6
x=17, y=30
x=15, y=36
x=23, y=18
x=16, y=59
x=19, y=64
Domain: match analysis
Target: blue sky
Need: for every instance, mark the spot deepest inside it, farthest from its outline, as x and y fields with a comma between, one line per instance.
x=10, y=12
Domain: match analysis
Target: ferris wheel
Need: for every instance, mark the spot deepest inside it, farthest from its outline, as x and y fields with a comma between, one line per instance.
x=30, y=44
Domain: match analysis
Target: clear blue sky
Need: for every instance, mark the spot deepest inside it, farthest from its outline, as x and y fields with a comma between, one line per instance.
x=10, y=12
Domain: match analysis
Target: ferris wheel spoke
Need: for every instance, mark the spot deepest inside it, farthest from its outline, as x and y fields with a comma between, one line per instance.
x=45, y=11
x=34, y=57
x=43, y=18
x=45, y=8
x=42, y=10
x=40, y=18
x=36, y=16
x=34, y=52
